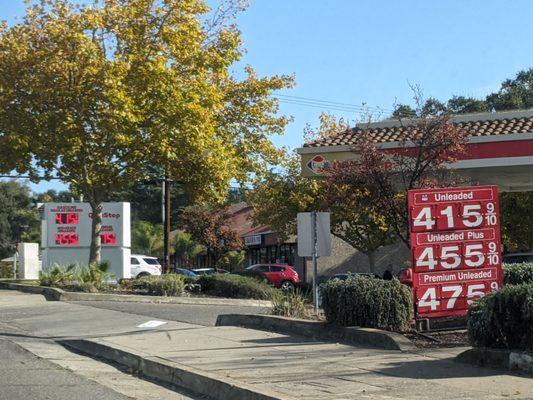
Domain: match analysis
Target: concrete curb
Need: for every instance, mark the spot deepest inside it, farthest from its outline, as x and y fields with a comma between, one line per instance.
x=320, y=330
x=55, y=294
x=198, y=381
x=497, y=358
x=51, y=294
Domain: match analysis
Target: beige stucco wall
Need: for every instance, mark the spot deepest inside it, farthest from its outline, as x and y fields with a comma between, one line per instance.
x=344, y=258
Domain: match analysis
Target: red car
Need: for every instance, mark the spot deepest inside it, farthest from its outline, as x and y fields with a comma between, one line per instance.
x=279, y=275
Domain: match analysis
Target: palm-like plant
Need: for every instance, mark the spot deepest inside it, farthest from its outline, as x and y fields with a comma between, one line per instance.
x=146, y=238
x=186, y=248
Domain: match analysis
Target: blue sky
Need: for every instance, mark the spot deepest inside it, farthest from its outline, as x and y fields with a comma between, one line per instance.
x=355, y=51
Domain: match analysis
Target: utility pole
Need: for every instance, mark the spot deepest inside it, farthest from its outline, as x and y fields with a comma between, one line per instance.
x=166, y=224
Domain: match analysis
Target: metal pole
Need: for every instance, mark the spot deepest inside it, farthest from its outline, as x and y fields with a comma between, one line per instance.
x=315, y=266
x=167, y=225
x=15, y=265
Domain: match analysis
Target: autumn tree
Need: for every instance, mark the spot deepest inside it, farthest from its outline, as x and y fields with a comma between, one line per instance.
x=278, y=198
x=209, y=226
x=425, y=148
x=96, y=93
x=355, y=218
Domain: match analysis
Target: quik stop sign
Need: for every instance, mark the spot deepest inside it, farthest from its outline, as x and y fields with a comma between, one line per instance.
x=455, y=247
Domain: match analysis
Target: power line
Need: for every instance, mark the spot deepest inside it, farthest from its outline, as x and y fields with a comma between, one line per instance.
x=337, y=106
x=308, y=99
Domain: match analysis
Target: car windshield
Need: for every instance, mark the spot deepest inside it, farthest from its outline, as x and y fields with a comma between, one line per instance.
x=151, y=261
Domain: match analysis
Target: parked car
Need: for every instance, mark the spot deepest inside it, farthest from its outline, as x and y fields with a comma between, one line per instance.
x=406, y=276
x=209, y=271
x=518, y=258
x=280, y=275
x=186, y=272
x=346, y=275
x=142, y=265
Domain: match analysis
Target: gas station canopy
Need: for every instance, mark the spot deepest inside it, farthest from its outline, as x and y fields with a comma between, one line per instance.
x=499, y=149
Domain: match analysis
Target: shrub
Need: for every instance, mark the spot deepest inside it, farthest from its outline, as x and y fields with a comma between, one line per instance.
x=367, y=302
x=164, y=285
x=289, y=303
x=57, y=275
x=515, y=274
x=94, y=274
x=503, y=319
x=6, y=270
x=235, y=286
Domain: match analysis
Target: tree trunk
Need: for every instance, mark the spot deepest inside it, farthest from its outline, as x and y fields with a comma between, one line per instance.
x=95, y=255
x=372, y=261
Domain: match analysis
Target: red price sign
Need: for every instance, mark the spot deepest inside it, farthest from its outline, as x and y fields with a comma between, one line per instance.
x=66, y=239
x=108, y=238
x=66, y=218
x=455, y=247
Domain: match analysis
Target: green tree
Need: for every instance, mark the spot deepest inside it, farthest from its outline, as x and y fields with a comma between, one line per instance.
x=514, y=94
x=403, y=111
x=281, y=194
x=186, y=248
x=146, y=238
x=233, y=260
x=464, y=105
x=18, y=217
x=517, y=220
x=145, y=198
x=98, y=92
x=434, y=107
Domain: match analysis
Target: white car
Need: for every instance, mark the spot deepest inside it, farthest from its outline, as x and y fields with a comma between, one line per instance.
x=144, y=266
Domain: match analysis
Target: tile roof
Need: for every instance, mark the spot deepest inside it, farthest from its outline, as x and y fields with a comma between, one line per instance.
x=483, y=124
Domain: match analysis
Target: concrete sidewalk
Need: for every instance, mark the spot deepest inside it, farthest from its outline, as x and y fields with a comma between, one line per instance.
x=291, y=367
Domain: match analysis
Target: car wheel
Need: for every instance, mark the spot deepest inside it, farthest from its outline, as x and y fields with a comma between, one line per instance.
x=142, y=275
x=287, y=285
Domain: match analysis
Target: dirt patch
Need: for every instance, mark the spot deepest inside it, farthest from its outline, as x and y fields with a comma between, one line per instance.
x=443, y=339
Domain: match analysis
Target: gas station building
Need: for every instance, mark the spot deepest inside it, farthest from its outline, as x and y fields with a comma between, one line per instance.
x=499, y=151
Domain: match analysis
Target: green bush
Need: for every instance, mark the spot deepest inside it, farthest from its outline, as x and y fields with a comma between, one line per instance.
x=94, y=274
x=503, y=319
x=57, y=275
x=515, y=274
x=164, y=285
x=289, y=303
x=6, y=270
x=367, y=302
x=235, y=286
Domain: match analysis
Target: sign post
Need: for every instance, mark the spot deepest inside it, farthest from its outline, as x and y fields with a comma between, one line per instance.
x=314, y=240
x=455, y=248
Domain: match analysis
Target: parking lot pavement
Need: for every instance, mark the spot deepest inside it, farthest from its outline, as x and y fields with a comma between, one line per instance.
x=293, y=367
x=24, y=376
x=205, y=315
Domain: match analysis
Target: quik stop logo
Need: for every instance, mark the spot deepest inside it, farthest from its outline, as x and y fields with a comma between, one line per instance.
x=455, y=247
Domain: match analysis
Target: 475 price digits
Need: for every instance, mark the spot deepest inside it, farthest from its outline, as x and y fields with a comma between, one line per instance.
x=453, y=296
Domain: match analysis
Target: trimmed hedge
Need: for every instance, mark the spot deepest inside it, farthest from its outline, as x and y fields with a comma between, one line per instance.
x=163, y=285
x=235, y=286
x=503, y=319
x=367, y=302
x=515, y=274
